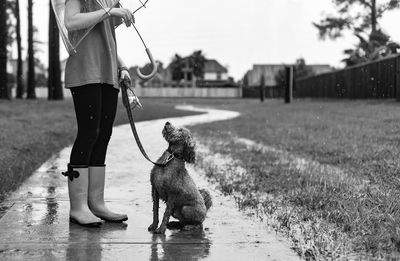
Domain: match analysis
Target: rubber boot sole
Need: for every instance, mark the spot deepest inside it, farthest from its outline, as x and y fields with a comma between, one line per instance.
x=93, y=224
x=114, y=221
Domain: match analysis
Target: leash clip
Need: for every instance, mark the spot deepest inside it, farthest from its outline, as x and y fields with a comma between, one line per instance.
x=168, y=160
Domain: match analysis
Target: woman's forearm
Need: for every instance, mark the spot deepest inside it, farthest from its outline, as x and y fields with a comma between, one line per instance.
x=75, y=20
x=85, y=20
x=120, y=62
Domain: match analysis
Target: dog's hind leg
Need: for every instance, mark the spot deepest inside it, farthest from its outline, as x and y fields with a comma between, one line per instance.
x=192, y=215
x=176, y=224
x=156, y=201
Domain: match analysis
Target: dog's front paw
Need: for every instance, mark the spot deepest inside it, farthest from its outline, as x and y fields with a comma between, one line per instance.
x=160, y=230
x=152, y=227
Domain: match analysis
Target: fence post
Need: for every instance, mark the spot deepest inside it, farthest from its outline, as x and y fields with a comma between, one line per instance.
x=240, y=90
x=262, y=88
x=397, y=75
x=289, y=84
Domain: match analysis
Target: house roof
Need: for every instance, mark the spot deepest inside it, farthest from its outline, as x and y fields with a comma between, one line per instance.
x=210, y=66
x=213, y=66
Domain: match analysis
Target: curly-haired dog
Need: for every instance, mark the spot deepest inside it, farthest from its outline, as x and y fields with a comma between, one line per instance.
x=173, y=184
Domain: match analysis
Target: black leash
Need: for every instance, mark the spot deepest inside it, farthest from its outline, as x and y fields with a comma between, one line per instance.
x=125, y=85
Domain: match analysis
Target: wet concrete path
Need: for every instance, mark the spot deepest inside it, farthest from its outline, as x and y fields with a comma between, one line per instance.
x=36, y=227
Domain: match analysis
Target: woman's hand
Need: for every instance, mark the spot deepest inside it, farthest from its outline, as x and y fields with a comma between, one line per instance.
x=125, y=80
x=75, y=20
x=124, y=75
x=125, y=14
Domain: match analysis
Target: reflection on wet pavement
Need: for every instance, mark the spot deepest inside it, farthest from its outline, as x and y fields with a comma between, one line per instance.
x=174, y=248
x=51, y=211
x=36, y=227
x=85, y=243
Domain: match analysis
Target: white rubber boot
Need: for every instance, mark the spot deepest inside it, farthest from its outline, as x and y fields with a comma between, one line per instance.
x=78, y=184
x=96, y=196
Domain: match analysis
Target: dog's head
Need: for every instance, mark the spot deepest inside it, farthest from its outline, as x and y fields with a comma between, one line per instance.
x=180, y=142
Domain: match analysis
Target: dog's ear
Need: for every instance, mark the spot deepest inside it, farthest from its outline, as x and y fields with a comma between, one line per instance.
x=189, y=153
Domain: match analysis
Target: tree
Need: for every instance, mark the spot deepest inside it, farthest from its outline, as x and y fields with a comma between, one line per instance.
x=194, y=63
x=361, y=18
x=177, y=65
x=55, y=91
x=374, y=48
x=4, y=93
x=20, y=81
x=348, y=18
x=31, y=59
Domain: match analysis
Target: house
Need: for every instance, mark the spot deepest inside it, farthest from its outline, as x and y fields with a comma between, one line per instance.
x=271, y=70
x=214, y=71
x=215, y=75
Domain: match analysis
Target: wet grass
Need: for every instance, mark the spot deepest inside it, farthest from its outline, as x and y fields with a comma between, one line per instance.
x=354, y=214
x=31, y=131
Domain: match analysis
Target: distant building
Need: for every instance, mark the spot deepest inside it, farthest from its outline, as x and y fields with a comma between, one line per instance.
x=214, y=71
x=215, y=75
x=271, y=70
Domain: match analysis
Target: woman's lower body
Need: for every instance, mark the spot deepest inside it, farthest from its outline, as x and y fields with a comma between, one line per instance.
x=95, y=109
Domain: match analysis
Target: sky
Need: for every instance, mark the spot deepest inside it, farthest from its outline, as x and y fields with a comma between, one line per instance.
x=237, y=33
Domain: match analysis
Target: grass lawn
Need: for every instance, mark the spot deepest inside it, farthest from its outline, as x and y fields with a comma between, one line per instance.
x=33, y=130
x=327, y=215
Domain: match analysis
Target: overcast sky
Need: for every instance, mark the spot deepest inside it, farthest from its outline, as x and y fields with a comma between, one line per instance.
x=238, y=33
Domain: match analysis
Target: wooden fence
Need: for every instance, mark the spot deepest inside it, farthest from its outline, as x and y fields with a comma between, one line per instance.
x=378, y=79
x=269, y=92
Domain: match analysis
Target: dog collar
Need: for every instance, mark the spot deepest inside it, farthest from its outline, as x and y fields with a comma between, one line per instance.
x=171, y=156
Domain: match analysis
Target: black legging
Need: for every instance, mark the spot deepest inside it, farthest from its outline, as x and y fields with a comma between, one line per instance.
x=95, y=109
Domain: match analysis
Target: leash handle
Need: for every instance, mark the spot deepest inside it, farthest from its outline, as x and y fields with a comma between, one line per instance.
x=133, y=99
x=124, y=87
